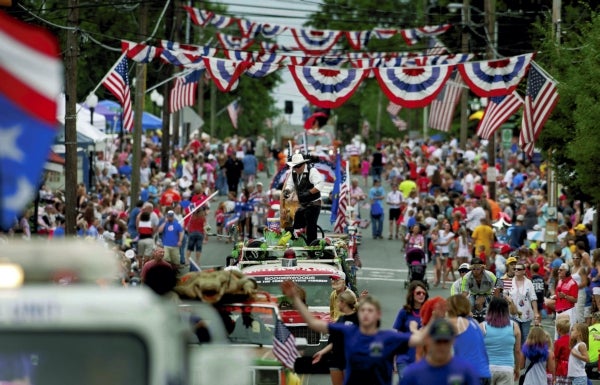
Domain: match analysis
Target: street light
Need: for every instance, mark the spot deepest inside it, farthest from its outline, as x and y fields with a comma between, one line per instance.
x=92, y=103
x=157, y=99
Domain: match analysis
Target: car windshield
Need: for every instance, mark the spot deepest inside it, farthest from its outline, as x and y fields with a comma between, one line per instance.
x=249, y=324
x=317, y=287
x=67, y=357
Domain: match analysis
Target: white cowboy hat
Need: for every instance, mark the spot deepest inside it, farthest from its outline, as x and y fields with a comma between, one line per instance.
x=296, y=160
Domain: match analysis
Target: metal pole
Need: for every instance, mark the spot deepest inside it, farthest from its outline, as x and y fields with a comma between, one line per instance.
x=464, y=98
x=378, y=120
x=71, y=54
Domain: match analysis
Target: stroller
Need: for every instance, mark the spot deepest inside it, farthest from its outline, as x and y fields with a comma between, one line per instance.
x=415, y=260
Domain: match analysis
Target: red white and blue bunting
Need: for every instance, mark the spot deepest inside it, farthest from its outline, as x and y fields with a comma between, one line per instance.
x=225, y=73
x=495, y=77
x=413, y=87
x=315, y=42
x=327, y=88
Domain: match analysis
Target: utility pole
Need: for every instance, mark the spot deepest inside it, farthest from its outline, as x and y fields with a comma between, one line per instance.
x=464, y=98
x=165, y=140
x=213, y=109
x=71, y=54
x=551, y=233
x=140, y=94
x=178, y=116
x=490, y=25
x=378, y=120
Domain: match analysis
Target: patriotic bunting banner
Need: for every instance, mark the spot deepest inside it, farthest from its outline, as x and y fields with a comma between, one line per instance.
x=225, y=73
x=540, y=99
x=270, y=58
x=272, y=30
x=413, y=87
x=327, y=88
x=248, y=29
x=498, y=110
x=180, y=58
x=315, y=42
x=413, y=35
x=234, y=42
x=384, y=33
x=495, y=77
x=358, y=39
x=303, y=60
x=199, y=16
x=140, y=53
x=220, y=21
x=260, y=70
x=232, y=54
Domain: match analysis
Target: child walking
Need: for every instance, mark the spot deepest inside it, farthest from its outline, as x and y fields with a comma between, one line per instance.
x=539, y=357
x=579, y=354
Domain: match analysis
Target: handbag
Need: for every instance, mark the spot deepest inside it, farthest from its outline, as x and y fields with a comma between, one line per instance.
x=522, y=378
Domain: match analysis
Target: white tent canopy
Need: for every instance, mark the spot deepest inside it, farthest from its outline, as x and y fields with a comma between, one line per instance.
x=83, y=123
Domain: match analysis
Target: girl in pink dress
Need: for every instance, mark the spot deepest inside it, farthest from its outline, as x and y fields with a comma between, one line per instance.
x=365, y=166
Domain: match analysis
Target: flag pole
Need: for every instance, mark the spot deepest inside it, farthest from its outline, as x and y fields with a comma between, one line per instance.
x=348, y=193
x=179, y=74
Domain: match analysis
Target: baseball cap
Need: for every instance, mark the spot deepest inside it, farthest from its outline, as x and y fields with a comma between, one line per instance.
x=564, y=267
x=464, y=267
x=441, y=330
x=580, y=227
x=170, y=213
x=338, y=275
x=511, y=260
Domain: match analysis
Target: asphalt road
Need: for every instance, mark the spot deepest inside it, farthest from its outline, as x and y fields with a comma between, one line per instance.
x=383, y=274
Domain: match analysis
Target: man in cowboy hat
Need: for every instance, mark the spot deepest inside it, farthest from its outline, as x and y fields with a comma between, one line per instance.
x=307, y=182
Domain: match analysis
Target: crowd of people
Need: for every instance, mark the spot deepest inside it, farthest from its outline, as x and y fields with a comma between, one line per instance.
x=434, y=196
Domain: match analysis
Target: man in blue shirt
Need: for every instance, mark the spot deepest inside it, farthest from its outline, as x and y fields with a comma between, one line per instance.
x=172, y=237
x=440, y=366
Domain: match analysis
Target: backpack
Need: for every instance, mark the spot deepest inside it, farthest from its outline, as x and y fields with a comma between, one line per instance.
x=376, y=209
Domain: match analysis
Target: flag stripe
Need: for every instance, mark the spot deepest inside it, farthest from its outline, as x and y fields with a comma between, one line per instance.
x=284, y=345
x=442, y=107
x=541, y=98
x=117, y=83
x=497, y=112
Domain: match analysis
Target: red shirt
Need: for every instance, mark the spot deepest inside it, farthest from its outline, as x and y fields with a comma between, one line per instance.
x=169, y=197
x=196, y=223
x=568, y=286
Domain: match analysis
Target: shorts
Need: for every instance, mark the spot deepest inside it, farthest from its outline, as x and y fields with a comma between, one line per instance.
x=172, y=255
x=596, y=290
x=195, y=240
x=145, y=247
x=394, y=214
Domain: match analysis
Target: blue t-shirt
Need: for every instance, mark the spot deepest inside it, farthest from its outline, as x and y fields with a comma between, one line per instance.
x=456, y=372
x=171, y=233
x=402, y=323
x=370, y=358
x=131, y=227
x=469, y=346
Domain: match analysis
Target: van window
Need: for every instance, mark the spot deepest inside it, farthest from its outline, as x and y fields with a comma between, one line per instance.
x=72, y=358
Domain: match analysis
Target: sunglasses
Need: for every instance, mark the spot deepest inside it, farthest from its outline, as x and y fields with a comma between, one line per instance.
x=420, y=293
x=298, y=166
x=519, y=268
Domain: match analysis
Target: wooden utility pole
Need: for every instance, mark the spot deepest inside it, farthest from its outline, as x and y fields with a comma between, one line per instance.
x=71, y=54
x=464, y=97
x=165, y=140
x=140, y=93
x=213, y=109
x=490, y=25
x=178, y=116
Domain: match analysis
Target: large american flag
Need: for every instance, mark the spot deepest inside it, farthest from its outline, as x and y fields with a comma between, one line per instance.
x=540, y=99
x=498, y=110
x=442, y=107
x=184, y=92
x=284, y=345
x=339, y=198
x=117, y=82
x=393, y=110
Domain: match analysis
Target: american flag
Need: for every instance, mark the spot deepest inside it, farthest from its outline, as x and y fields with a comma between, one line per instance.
x=442, y=108
x=184, y=92
x=284, y=345
x=393, y=108
x=498, y=110
x=117, y=82
x=435, y=47
x=540, y=99
x=234, y=110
